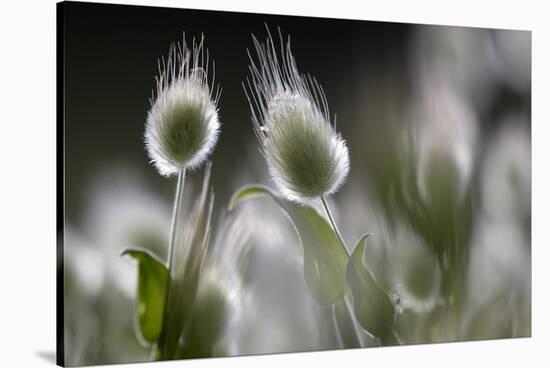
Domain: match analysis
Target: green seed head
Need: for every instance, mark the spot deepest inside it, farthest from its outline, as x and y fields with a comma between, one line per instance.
x=418, y=276
x=182, y=125
x=306, y=157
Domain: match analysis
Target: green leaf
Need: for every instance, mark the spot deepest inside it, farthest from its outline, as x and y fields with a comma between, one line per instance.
x=324, y=258
x=249, y=192
x=373, y=308
x=151, y=288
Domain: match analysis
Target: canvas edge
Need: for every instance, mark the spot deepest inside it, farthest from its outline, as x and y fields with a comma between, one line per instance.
x=60, y=182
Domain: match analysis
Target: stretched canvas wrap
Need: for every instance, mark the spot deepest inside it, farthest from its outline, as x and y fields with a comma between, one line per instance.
x=235, y=184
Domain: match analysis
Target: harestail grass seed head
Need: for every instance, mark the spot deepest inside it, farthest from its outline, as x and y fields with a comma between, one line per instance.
x=306, y=157
x=182, y=125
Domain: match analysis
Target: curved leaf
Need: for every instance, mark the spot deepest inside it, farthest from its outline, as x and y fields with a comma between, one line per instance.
x=249, y=192
x=373, y=308
x=151, y=288
x=324, y=258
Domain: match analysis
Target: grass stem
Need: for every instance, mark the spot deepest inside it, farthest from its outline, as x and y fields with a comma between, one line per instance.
x=345, y=325
x=333, y=224
x=342, y=312
x=166, y=346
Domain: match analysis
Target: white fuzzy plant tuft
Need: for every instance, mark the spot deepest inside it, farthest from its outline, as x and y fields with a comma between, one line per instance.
x=182, y=124
x=181, y=131
x=306, y=157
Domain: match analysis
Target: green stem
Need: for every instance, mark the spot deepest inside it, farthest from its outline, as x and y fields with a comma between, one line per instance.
x=391, y=339
x=165, y=345
x=342, y=312
x=345, y=325
x=333, y=224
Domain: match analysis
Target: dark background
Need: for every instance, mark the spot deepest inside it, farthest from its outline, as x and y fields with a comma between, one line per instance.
x=111, y=61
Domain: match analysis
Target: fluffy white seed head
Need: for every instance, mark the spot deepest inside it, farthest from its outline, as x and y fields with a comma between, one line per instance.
x=182, y=124
x=306, y=157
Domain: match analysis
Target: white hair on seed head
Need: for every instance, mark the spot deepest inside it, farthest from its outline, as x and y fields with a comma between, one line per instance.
x=182, y=124
x=306, y=157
